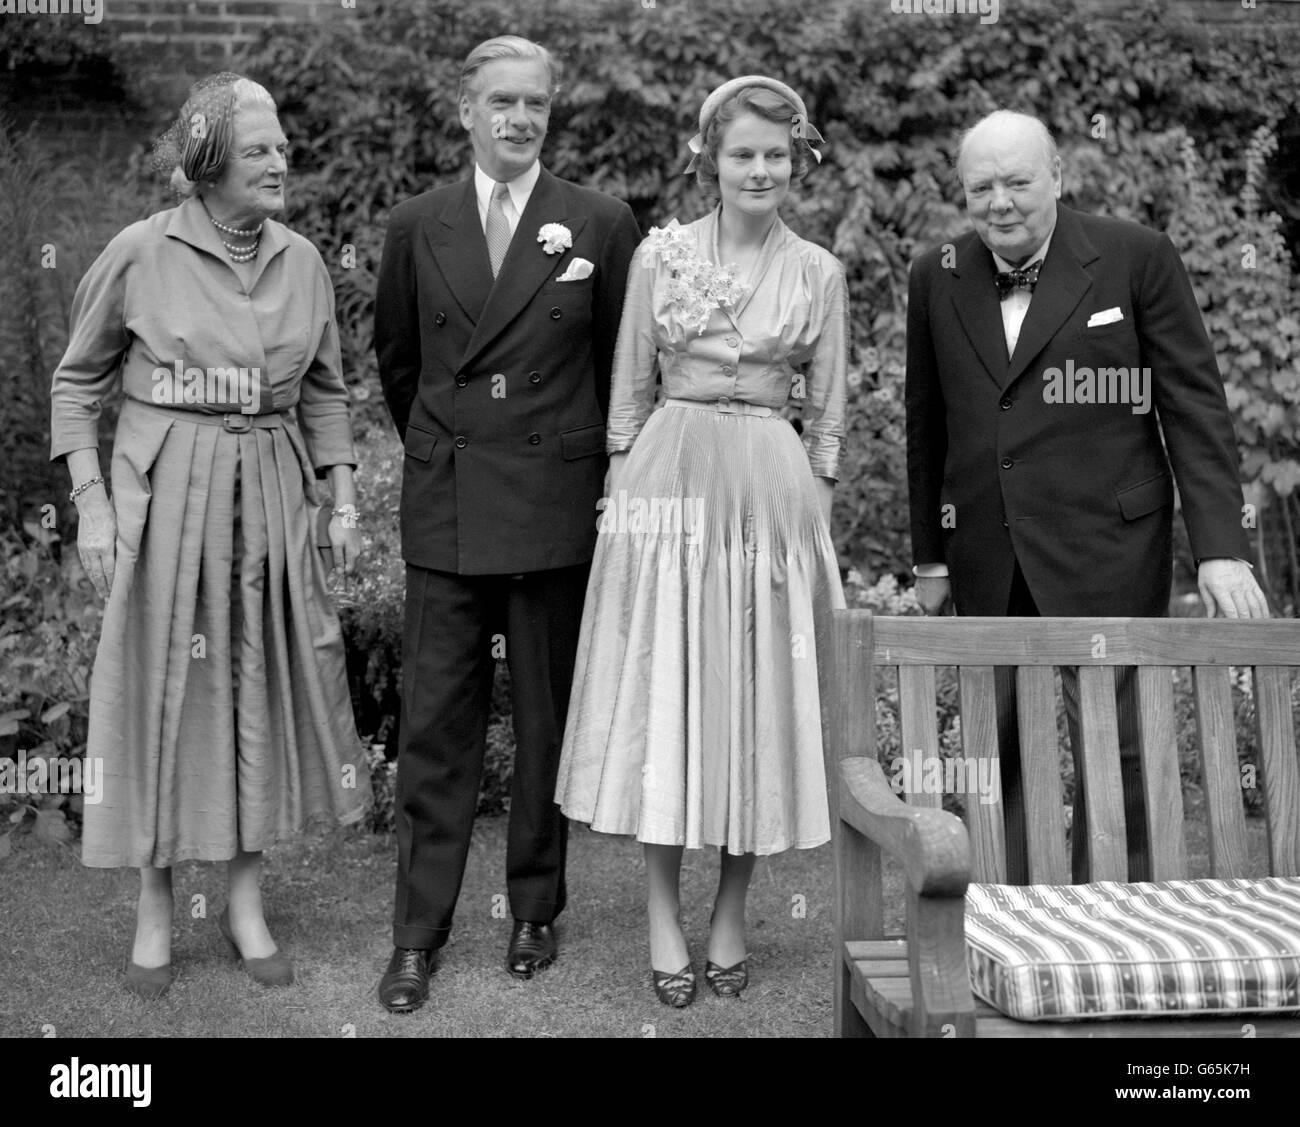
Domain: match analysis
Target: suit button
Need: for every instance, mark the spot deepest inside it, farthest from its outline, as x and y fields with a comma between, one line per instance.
x=461, y=442
x=733, y=342
x=1005, y=404
x=534, y=439
x=1005, y=525
x=728, y=370
x=461, y=381
x=440, y=319
x=534, y=377
x=556, y=314
x=1007, y=463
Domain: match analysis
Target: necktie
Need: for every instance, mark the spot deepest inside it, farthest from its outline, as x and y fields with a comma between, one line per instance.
x=1009, y=280
x=498, y=228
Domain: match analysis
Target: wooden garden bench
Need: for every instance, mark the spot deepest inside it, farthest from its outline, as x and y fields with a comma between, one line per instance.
x=919, y=985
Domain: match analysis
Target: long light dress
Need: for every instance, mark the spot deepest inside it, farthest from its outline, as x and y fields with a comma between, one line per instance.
x=695, y=717
x=219, y=701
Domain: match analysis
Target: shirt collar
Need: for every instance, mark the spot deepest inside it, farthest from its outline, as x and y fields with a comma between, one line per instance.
x=1002, y=264
x=521, y=187
x=191, y=222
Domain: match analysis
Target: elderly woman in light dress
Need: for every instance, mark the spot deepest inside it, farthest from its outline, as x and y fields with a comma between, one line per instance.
x=219, y=702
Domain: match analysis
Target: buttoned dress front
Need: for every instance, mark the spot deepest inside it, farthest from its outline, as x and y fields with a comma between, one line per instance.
x=695, y=717
x=219, y=703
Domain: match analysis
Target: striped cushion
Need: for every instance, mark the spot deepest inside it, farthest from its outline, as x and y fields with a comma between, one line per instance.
x=1053, y=952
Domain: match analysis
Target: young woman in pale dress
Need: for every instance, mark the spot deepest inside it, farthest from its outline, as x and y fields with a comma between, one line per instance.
x=696, y=712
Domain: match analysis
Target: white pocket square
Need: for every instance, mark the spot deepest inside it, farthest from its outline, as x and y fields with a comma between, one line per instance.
x=579, y=268
x=1105, y=317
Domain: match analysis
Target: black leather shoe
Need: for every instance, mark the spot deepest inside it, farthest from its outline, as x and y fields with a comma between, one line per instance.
x=405, y=985
x=532, y=947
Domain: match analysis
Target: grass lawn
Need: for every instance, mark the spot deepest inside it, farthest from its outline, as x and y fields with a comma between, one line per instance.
x=65, y=934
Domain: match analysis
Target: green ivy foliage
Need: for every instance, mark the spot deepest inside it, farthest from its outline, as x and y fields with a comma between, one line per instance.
x=370, y=105
x=1250, y=297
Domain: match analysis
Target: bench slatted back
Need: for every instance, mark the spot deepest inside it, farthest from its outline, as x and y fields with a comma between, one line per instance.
x=916, y=647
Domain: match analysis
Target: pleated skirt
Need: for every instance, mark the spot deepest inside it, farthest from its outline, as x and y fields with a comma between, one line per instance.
x=219, y=703
x=695, y=717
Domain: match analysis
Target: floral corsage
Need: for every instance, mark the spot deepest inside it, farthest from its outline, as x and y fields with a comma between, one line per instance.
x=697, y=286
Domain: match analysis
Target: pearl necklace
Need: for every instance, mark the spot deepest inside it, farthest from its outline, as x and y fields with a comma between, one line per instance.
x=242, y=254
x=239, y=253
x=236, y=230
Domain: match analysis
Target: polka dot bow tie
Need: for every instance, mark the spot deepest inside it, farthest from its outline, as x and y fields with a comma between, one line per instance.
x=1009, y=280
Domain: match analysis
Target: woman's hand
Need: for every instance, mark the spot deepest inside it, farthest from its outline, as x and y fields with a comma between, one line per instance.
x=616, y=463
x=345, y=539
x=97, y=538
x=345, y=536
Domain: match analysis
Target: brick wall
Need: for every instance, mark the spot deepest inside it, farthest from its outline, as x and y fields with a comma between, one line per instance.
x=212, y=32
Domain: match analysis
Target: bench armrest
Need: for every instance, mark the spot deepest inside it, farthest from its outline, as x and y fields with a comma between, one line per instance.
x=932, y=845
x=934, y=850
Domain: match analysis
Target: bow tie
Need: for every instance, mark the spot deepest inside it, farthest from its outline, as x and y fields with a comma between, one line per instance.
x=1009, y=280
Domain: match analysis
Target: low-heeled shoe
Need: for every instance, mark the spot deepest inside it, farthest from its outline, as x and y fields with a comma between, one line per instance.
x=726, y=982
x=148, y=982
x=274, y=970
x=676, y=990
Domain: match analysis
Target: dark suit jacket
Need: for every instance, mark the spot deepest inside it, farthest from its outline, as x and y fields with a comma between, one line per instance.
x=1081, y=494
x=500, y=392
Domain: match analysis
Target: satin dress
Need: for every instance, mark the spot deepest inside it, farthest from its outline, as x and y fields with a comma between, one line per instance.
x=696, y=712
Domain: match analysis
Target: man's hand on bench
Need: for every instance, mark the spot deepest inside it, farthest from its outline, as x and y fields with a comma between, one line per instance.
x=1228, y=590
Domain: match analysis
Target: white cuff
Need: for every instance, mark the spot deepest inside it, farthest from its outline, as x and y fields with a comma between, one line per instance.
x=930, y=571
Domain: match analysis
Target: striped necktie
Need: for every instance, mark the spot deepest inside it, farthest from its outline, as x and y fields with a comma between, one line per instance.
x=498, y=227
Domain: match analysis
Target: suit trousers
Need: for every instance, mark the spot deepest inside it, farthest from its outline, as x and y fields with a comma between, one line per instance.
x=456, y=627
x=1022, y=605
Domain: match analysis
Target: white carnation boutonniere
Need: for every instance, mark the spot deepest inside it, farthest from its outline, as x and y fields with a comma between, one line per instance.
x=697, y=286
x=555, y=237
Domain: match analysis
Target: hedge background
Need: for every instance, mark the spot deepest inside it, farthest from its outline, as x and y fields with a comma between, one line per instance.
x=1160, y=118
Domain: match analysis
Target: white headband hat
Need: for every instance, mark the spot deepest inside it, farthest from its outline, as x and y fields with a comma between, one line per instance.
x=801, y=127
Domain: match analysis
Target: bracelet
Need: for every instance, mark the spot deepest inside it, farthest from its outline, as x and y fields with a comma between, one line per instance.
x=348, y=513
x=80, y=489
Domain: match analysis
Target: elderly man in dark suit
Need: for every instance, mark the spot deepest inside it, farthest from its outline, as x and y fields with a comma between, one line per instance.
x=1047, y=353
x=495, y=317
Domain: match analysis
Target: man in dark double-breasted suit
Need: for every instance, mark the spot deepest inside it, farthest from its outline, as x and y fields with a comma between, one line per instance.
x=496, y=312
x=1047, y=352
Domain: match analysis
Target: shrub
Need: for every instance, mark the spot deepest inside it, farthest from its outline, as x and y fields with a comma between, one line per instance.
x=47, y=650
x=374, y=100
